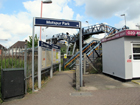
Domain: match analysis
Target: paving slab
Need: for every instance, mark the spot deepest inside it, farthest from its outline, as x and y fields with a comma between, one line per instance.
x=104, y=82
x=59, y=91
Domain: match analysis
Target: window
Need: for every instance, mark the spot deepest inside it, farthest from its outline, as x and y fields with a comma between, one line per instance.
x=136, y=51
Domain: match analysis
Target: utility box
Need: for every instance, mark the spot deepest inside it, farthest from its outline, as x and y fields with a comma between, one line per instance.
x=12, y=82
x=121, y=54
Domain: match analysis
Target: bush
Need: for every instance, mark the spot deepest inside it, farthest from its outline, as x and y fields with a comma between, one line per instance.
x=97, y=64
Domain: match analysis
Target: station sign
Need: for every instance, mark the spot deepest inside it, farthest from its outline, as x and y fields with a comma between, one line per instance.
x=44, y=45
x=56, y=23
x=55, y=46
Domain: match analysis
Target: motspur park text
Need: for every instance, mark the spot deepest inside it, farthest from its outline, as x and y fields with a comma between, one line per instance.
x=59, y=23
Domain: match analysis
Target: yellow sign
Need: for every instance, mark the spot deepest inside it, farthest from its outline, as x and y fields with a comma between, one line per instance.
x=65, y=55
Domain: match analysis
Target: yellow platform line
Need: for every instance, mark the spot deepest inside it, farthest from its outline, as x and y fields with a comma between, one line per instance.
x=136, y=81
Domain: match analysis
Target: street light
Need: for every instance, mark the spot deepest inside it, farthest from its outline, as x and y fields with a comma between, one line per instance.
x=87, y=23
x=45, y=2
x=124, y=18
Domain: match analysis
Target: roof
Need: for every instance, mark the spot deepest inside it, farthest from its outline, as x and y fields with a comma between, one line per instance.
x=123, y=33
x=18, y=44
x=1, y=46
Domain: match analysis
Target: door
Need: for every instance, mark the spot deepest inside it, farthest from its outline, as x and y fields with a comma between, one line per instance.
x=136, y=60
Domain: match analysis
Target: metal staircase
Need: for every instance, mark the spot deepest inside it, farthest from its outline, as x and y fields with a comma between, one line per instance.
x=89, y=49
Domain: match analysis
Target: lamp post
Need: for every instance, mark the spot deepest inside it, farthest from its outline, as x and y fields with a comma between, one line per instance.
x=45, y=2
x=87, y=23
x=124, y=18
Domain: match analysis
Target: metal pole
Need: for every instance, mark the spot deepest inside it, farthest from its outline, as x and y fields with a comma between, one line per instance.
x=80, y=47
x=39, y=65
x=5, y=58
x=25, y=65
x=67, y=49
x=33, y=57
x=12, y=57
x=51, y=71
x=41, y=17
x=1, y=57
x=63, y=63
x=125, y=20
x=74, y=48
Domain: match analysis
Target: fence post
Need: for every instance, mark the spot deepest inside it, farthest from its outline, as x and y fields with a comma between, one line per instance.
x=51, y=71
x=25, y=65
x=84, y=63
x=1, y=57
x=63, y=63
x=60, y=62
x=77, y=75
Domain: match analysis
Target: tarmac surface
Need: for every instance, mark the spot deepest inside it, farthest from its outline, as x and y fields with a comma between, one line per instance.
x=99, y=90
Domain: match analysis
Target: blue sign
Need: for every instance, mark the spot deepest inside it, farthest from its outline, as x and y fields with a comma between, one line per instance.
x=57, y=23
x=55, y=46
x=45, y=45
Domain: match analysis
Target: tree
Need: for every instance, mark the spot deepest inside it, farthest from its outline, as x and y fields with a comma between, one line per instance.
x=29, y=43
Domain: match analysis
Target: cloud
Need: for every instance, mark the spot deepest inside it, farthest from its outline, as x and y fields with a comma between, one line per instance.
x=58, y=9
x=19, y=26
x=99, y=36
x=79, y=17
x=14, y=26
x=130, y=23
x=100, y=9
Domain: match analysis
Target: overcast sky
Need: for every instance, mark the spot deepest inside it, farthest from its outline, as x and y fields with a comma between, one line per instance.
x=16, y=16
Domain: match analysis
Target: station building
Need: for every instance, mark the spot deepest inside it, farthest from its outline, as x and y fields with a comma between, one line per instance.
x=121, y=54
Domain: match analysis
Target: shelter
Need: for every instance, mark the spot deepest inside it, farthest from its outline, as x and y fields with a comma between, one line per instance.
x=121, y=54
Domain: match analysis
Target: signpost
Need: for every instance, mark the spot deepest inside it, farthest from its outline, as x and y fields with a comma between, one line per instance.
x=50, y=22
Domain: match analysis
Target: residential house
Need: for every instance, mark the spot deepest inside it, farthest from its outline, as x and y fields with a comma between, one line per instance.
x=17, y=47
x=2, y=48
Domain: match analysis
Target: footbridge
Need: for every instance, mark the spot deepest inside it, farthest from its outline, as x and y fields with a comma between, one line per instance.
x=93, y=46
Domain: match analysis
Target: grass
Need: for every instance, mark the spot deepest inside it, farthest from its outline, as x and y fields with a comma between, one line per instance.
x=10, y=63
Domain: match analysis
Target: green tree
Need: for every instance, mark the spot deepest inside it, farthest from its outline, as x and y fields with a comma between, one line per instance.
x=29, y=43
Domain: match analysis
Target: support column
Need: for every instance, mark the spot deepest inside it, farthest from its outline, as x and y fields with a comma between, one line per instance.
x=84, y=63
x=80, y=48
x=77, y=75
x=39, y=66
x=33, y=57
x=74, y=48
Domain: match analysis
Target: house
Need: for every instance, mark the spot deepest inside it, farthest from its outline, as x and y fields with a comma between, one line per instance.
x=17, y=47
x=2, y=48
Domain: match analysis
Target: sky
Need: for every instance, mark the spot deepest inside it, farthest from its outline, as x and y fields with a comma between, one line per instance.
x=16, y=16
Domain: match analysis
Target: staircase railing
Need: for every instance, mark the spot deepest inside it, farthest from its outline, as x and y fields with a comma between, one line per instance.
x=78, y=53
